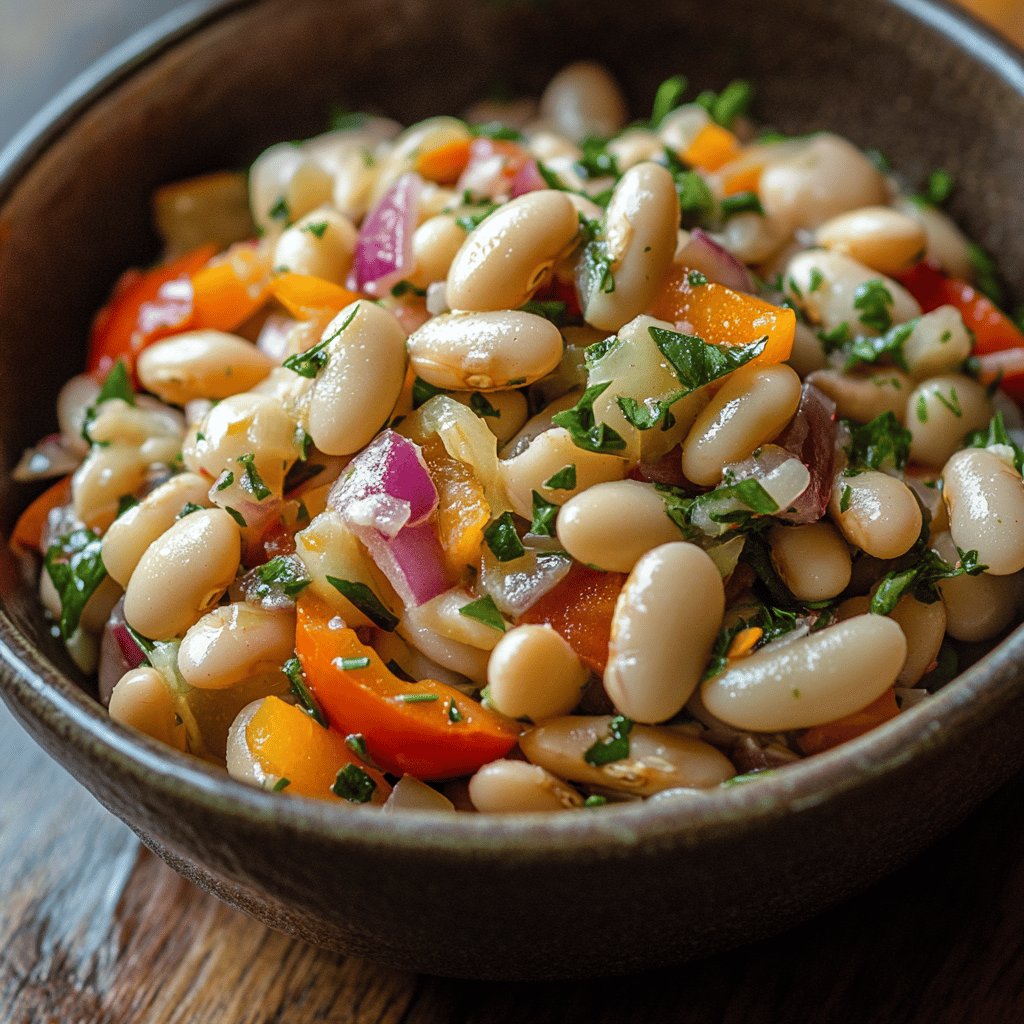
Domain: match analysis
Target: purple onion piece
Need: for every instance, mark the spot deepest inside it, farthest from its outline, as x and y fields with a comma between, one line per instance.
x=705, y=254
x=384, y=247
x=119, y=653
x=810, y=437
x=526, y=179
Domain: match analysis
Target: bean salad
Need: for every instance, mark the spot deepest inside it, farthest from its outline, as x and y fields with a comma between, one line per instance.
x=537, y=460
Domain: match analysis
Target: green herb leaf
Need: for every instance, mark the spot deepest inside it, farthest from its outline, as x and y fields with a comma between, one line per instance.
x=125, y=503
x=282, y=574
x=423, y=392
x=486, y=611
x=406, y=288
x=596, y=161
x=732, y=102
x=418, y=698
x=237, y=516
x=347, y=120
x=667, y=97
x=281, y=784
x=881, y=442
x=997, y=434
x=648, y=414
x=550, y=309
x=920, y=579
x=696, y=200
x=468, y=221
x=595, y=800
x=352, y=664
x=226, y=479
x=117, y=384
x=354, y=785
x=496, y=130
x=563, y=480
x=741, y=202
x=585, y=431
x=454, y=714
x=868, y=350
x=502, y=539
x=75, y=566
x=317, y=229
x=309, y=363
x=363, y=598
x=280, y=211
x=874, y=301
x=816, y=281
x=188, y=508
x=696, y=279
x=844, y=500
x=593, y=354
x=986, y=274
x=939, y=187
x=292, y=668
x=544, y=514
x=614, y=747
x=697, y=363
x=482, y=407
x=253, y=481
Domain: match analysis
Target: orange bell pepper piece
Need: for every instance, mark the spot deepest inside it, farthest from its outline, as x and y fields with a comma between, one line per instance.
x=117, y=332
x=227, y=292
x=446, y=163
x=426, y=729
x=744, y=179
x=307, y=297
x=28, y=530
x=712, y=148
x=287, y=743
x=720, y=316
x=462, y=511
x=831, y=734
x=579, y=608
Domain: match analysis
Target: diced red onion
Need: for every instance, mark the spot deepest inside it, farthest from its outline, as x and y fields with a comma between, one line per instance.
x=703, y=253
x=384, y=247
x=412, y=560
x=119, y=653
x=526, y=179
x=811, y=437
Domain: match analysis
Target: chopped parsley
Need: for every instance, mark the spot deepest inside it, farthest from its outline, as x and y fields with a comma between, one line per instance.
x=874, y=302
x=354, y=785
x=253, y=481
x=741, y=202
x=281, y=784
x=423, y=392
x=585, y=431
x=125, y=503
x=920, y=579
x=877, y=443
x=468, y=221
x=117, y=384
x=695, y=279
x=595, y=800
x=986, y=274
x=696, y=200
x=226, y=480
x=502, y=539
x=550, y=309
x=939, y=187
x=317, y=229
x=816, y=281
x=496, y=130
x=237, y=516
x=732, y=102
x=870, y=349
x=563, y=480
x=613, y=747
x=697, y=363
x=352, y=664
x=844, y=499
x=482, y=407
x=454, y=714
x=418, y=698
x=997, y=434
x=667, y=97
x=188, y=508
x=544, y=515
x=281, y=574
x=596, y=161
x=596, y=274
x=484, y=610
x=407, y=288
x=75, y=566
x=280, y=210
x=292, y=668
x=347, y=120
x=593, y=354
x=366, y=601
x=309, y=363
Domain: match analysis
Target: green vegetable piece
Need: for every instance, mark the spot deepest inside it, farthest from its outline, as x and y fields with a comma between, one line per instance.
x=877, y=443
x=354, y=785
x=74, y=564
x=874, y=301
x=667, y=97
x=309, y=363
x=544, y=515
x=503, y=540
x=292, y=668
x=585, y=431
x=486, y=611
x=253, y=481
x=363, y=598
x=614, y=747
x=563, y=480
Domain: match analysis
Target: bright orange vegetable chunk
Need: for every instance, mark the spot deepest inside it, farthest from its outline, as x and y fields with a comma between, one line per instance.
x=824, y=737
x=743, y=179
x=580, y=608
x=289, y=744
x=721, y=316
x=227, y=292
x=28, y=530
x=712, y=148
x=307, y=297
x=446, y=163
x=438, y=734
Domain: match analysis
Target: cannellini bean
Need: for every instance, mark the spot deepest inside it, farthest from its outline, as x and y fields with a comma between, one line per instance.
x=510, y=410
x=284, y=183
x=545, y=144
x=108, y=474
x=979, y=607
x=681, y=126
x=409, y=794
x=634, y=146
x=548, y=453
x=321, y=243
x=938, y=343
x=434, y=245
x=876, y=512
x=201, y=364
x=129, y=535
x=583, y=99
x=490, y=351
x=515, y=787
x=812, y=680
x=665, y=621
x=233, y=643
x=638, y=239
x=355, y=392
x=940, y=412
x=183, y=574
x=880, y=237
x=945, y=243
x=514, y=112
x=827, y=286
x=72, y=403
x=750, y=410
x=924, y=626
x=611, y=525
x=863, y=396
x=422, y=137
x=984, y=497
x=442, y=615
x=825, y=177
x=510, y=253
x=750, y=237
x=142, y=699
x=245, y=424
x=658, y=758
x=808, y=353
x=813, y=560
x=533, y=673
x=420, y=629
x=240, y=762
x=328, y=548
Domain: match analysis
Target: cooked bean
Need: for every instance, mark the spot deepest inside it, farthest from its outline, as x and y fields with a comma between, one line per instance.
x=505, y=412
x=828, y=287
x=129, y=535
x=634, y=146
x=924, y=626
x=584, y=99
x=808, y=353
x=357, y=389
x=533, y=673
x=201, y=364
x=72, y=404
x=442, y=616
x=514, y=787
x=877, y=236
x=434, y=245
x=665, y=622
x=490, y=351
x=142, y=699
x=750, y=410
x=940, y=412
x=516, y=113
x=548, y=453
x=863, y=396
x=680, y=127
x=812, y=680
x=409, y=794
x=285, y=183
x=979, y=608
x=813, y=560
x=321, y=243
x=97, y=609
x=434, y=632
x=946, y=244
x=108, y=474
x=547, y=145
x=750, y=237
x=823, y=178
x=984, y=497
x=938, y=343
x=876, y=512
x=183, y=574
x=658, y=758
x=422, y=137
x=619, y=274
x=233, y=643
x=510, y=253
x=611, y=525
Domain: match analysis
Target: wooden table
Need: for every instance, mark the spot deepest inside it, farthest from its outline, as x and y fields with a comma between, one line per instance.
x=95, y=930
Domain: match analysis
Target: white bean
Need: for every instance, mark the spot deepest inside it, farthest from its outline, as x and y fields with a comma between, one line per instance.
x=321, y=243
x=938, y=343
x=863, y=396
x=434, y=245
x=284, y=184
x=945, y=243
x=182, y=574
x=812, y=680
x=583, y=99
x=73, y=402
x=813, y=560
x=876, y=512
x=924, y=626
x=665, y=621
x=142, y=699
x=409, y=794
x=940, y=412
x=107, y=475
x=515, y=787
x=880, y=237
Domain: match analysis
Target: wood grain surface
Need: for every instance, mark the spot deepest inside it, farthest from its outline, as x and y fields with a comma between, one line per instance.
x=95, y=930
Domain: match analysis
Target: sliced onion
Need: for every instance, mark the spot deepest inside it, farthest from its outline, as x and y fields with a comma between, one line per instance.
x=726, y=555
x=384, y=247
x=412, y=561
x=703, y=253
x=526, y=179
x=517, y=585
x=811, y=437
x=49, y=458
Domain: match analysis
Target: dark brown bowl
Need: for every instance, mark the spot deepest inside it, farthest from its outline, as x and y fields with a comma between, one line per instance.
x=618, y=890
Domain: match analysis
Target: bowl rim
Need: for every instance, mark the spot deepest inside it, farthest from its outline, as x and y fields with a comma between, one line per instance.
x=42, y=691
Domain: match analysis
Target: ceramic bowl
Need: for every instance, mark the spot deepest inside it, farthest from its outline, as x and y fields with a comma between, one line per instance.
x=632, y=886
